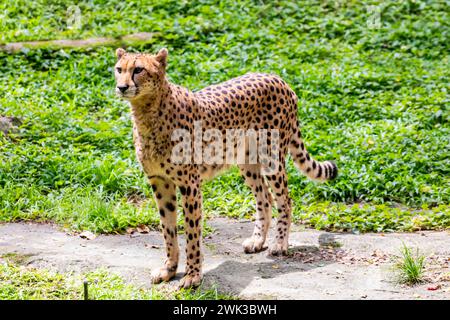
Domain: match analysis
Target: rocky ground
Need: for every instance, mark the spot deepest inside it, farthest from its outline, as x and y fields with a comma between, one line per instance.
x=320, y=265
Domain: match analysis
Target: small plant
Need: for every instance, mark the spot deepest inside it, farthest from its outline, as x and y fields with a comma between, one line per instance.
x=410, y=266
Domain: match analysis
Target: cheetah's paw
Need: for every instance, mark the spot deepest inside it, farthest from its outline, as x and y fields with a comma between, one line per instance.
x=253, y=245
x=278, y=249
x=190, y=281
x=163, y=274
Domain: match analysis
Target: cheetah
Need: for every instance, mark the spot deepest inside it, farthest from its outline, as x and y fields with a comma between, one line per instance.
x=254, y=101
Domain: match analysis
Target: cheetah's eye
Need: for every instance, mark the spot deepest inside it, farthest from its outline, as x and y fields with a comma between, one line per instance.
x=138, y=70
x=119, y=69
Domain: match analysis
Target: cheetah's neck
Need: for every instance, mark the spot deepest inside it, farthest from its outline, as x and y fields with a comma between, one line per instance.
x=152, y=139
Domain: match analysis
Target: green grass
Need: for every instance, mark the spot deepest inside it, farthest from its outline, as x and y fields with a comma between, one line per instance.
x=410, y=266
x=20, y=283
x=373, y=99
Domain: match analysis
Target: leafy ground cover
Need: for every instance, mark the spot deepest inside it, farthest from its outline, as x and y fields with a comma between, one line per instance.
x=20, y=282
x=372, y=80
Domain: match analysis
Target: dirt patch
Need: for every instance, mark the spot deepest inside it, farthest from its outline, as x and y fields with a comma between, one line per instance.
x=130, y=39
x=15, y=258
x=9, y=125
x=320, y=265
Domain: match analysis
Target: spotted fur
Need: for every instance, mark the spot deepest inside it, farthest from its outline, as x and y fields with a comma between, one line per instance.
x=253, y=101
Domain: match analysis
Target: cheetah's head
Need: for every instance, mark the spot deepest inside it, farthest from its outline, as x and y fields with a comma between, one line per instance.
x=139, y=74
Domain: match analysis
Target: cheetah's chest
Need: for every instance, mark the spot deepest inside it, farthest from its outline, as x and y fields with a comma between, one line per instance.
x=149, y=154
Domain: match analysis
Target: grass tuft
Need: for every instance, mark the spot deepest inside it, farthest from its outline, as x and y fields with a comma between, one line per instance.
x=410, y=266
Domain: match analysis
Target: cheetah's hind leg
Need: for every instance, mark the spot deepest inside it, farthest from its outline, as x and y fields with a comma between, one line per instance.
x=278, y=184
x=255, y=180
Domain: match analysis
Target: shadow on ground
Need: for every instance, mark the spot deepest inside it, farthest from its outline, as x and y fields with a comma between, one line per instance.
x=233, y=276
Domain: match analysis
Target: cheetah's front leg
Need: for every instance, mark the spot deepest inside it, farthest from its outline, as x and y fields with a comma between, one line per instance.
x=165, y=195
x=192, y=204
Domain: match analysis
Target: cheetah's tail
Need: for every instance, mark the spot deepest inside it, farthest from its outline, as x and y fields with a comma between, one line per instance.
x=315, y=170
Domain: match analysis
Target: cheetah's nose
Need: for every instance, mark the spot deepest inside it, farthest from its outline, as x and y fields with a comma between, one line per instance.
x=123, y=88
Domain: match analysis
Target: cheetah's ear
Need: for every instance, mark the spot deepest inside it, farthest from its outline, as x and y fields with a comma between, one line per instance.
x=120, y=52
x=161, y=57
